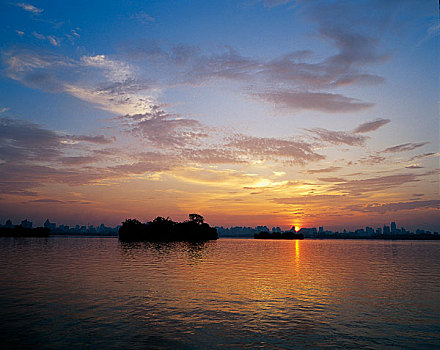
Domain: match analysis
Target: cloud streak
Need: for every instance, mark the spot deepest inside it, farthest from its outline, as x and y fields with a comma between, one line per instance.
x=109, y=84
x=404, y=147
x=337, y=137
x=371, y=126
x=323, y=170
x=164, y=130
x=314, y=101
x=397, y=206
x=270, y=148
x=375, y=184
x=29, y=8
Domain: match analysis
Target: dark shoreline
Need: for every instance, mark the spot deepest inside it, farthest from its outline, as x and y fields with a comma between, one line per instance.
x=19, y=231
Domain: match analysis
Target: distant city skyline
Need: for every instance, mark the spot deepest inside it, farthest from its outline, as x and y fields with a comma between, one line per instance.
x=250, y=112
x=233, y=231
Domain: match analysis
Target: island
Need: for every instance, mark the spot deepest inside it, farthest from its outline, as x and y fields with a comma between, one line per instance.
x=278, y=235
x=161, y=229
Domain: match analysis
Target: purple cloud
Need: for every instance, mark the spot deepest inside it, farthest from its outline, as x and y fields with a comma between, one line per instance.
x=315, y=101
x=99, y=139
x=371, y=126
x=271, y=148
x=404, y=147
x=164, y=130
x=337, y=137
x=323, y=170
x=356, y=187
x=397, y=206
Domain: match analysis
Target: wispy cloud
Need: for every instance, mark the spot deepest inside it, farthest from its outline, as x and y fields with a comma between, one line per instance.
x=331, y=179
x=20, y=141
x=302, y=80
x=371, y=126
x=114, y=70
x=314, y=101
x=323, y=170
x=46, y=200
x=106, y=83
x=54, y=41
x=39, y=36
x=307, y=199
x=396, y=206
x=29, y=8
x=372, y=159
x=424, y=155
x=50, y=38
x=219, y=155
x=432, y=31
x=99, y=139
x=337, y=137
x=405, y=147
x=274, y=3
x=298, y=152
x=143, y=17
x=195, y=142
x=162, y=129
x=375, y=184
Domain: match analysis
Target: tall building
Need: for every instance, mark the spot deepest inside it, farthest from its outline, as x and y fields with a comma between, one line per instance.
x=26, y=224
x=308, y=232
x=50, y=225
x=386, y=229
x=369, y=231
x=393, y=227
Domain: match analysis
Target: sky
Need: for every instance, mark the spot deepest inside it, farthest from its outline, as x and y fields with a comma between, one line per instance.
x=248, y=112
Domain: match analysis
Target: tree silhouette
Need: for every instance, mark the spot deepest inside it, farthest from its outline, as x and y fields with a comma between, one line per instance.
x=161, y=229
x=198, y=219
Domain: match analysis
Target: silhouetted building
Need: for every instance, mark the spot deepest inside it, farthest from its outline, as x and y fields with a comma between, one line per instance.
x=9, y=224
x=360, y=232
x=308, y=231
x=63, y=229
x=26, y=224
x=369, y=231
x=393, y=227
x=386, y=230
x=321, y=229
x=50, y=225
x=378, y=231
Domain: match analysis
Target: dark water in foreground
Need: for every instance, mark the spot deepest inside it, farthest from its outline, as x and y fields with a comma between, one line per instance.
x=98, y=293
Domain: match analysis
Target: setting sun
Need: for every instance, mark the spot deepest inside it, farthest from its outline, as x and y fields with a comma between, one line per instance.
x=297, y=228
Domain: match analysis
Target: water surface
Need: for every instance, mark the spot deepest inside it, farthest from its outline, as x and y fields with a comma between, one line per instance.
x=79, y=292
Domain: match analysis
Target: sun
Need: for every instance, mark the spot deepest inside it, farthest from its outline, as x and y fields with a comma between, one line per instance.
x=297, y=228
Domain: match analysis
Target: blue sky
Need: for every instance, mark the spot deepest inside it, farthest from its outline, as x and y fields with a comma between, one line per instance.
x=249, y=112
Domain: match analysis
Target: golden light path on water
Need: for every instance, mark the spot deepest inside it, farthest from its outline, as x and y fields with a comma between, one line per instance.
x=225, y=293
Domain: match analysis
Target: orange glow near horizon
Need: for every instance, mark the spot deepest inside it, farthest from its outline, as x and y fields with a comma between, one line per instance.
x=297, y=228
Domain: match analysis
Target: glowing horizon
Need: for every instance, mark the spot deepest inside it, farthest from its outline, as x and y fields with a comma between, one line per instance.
x=277, y=113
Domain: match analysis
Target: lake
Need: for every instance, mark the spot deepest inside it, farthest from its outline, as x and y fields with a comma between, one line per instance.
x=99, y=293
